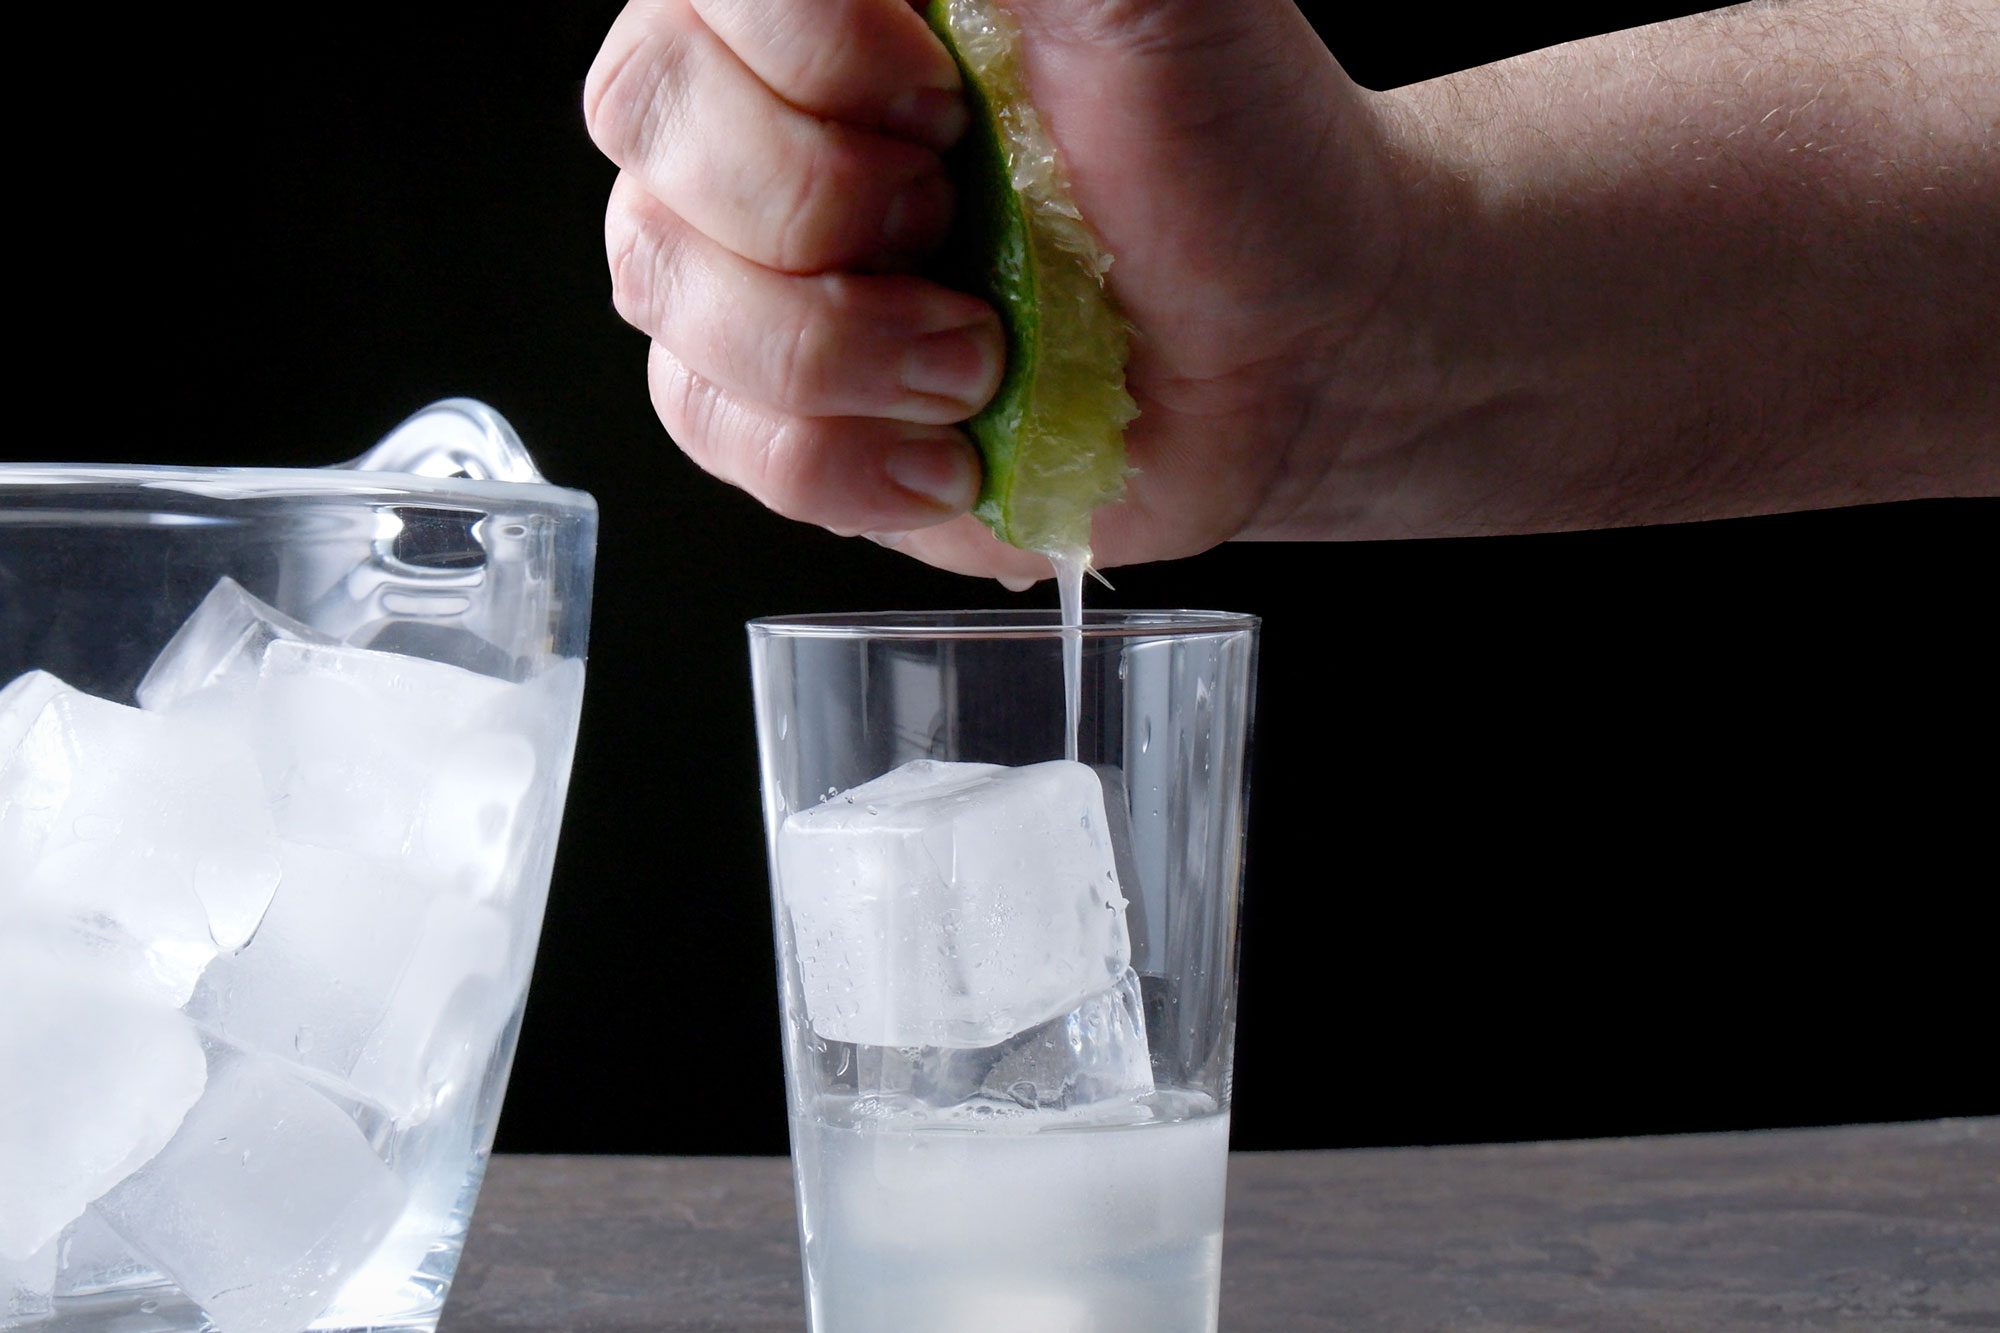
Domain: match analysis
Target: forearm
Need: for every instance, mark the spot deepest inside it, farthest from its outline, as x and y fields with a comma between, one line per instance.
x=1739, y=263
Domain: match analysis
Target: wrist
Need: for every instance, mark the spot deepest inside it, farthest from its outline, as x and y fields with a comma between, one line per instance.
x=1618, y=305
x=1413, y=401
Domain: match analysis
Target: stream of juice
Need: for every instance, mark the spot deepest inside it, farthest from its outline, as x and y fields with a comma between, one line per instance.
x=1069, y=567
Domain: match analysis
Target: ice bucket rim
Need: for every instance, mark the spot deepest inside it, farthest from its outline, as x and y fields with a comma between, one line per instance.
x=18, y=480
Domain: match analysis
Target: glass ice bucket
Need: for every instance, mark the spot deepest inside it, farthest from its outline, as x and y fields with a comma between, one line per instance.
x=282, y=763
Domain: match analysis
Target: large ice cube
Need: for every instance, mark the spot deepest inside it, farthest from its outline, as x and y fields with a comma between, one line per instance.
x=937, y=1076
x=220, y=647
x=362, y=972
x=146, y=830
x=1094, y=1053
x=948, y=904
x=312, y=984
x=263, y=1204
x=350, y=740
x=93, y=1081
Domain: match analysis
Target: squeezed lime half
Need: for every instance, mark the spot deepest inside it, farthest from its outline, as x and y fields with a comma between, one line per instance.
x=1053, y=438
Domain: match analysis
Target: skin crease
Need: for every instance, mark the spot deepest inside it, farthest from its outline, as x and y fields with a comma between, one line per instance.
x=1738, y=263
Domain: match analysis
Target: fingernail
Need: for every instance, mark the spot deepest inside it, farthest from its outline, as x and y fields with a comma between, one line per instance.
x=919, y=213
x=934, y=116
x=1013, y=583
x=889, y=539
x=941, y=471
x=960, y=364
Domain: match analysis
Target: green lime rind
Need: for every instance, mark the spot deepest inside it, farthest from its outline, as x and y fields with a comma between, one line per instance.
x=1052, y=439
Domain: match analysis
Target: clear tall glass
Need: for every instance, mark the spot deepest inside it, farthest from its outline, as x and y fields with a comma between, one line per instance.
x=1008, y=979
x=282, y=764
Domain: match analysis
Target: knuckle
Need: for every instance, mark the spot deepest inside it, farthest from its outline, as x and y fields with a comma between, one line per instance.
x=818, y=218
x=805, y=356
x=632, y=90
x=640, y=258
x=784, y=470
x=808, y=63
x=825, y=66
x=681, y=406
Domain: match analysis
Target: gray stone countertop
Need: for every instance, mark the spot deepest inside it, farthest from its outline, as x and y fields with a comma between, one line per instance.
x=1858, y=1229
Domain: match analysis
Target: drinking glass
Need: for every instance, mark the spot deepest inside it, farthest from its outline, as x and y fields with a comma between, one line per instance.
x=1007, y=978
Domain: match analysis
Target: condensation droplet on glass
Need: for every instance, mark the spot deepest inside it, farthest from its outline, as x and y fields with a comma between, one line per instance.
x=784, y=725
x=1146, y=736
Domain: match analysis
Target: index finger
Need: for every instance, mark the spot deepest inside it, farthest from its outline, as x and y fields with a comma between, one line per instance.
x=866, y=62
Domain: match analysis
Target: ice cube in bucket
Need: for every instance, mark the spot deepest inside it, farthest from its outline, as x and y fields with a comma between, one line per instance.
x=263, y=1205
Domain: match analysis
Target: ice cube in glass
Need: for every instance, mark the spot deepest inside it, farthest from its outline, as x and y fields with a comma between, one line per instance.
x=953, y=904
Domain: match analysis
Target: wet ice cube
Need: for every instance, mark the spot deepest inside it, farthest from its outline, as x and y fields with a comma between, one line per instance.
x=490, y=812
x=313, y=984
x=27, y=1287
x=432, y=1160
x=948, y=904
x=93, y=1259
x=263, y=1204
x=107, y=907
x=1094, y=1053
x=21, y=703
x=938, y=1076
x=357, y=972
x=94, y=1080
x=349, y=740
x=220, y=647
x=139, y=827
x=476, y=794
x=431, y=1042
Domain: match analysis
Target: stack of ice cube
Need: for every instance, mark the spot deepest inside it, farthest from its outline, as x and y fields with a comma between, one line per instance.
x=962, y=925
x=256, y=950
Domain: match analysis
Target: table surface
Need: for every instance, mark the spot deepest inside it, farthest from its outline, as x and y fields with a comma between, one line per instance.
x=1864, y=1228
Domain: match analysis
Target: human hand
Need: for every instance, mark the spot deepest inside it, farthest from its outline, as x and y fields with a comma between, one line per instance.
x=780, y=171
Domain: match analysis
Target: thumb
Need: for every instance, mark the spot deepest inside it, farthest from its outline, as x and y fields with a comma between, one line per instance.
x=1182, y=122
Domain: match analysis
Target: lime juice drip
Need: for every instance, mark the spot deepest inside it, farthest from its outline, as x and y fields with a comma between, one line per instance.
x=1069, y=567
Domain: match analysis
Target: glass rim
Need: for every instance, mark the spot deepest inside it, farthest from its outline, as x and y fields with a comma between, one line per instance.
x=276, y=483
x=1108, y=623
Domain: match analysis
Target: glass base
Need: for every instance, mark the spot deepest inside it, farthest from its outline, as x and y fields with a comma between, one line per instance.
x=162, y=1309
x=401, y=1290
x=412, y=1306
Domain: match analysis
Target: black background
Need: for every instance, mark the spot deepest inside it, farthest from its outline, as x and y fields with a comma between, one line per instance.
x=1650, y=830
